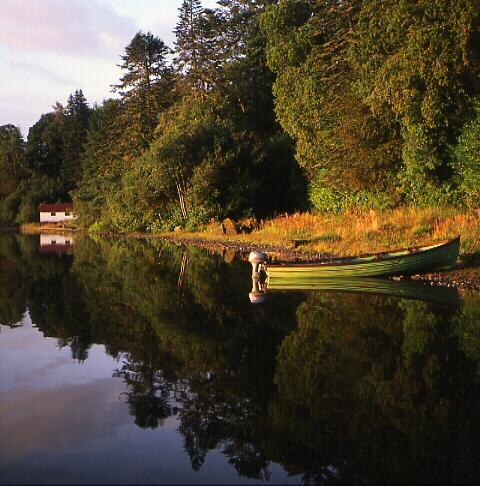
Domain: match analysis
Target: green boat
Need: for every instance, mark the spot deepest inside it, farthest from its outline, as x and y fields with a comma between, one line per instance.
x=409, y=261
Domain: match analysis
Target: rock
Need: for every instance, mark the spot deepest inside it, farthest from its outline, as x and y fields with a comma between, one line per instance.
x=220, y=229
x=297, y=243
x=229, y=227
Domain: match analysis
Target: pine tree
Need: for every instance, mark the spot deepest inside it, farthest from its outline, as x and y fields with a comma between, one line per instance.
x=102, y=161
x=74, y=136
x=145, y=88
x=247, y=80
x=197, y=58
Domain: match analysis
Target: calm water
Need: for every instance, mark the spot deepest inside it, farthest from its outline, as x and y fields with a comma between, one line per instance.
x=129, y=361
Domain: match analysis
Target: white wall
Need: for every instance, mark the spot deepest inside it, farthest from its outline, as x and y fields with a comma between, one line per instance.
x=58, y=218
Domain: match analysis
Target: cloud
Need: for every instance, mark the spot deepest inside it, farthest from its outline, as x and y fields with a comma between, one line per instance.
x=59, y=415
x=76, y=27
x=38, y=70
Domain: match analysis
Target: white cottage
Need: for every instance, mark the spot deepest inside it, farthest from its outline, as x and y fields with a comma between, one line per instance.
x=56, y=213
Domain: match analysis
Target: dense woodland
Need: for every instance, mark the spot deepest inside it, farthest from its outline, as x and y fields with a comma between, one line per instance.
x=263, y=107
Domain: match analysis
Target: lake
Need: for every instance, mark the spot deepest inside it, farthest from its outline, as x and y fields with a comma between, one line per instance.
x=131, y=361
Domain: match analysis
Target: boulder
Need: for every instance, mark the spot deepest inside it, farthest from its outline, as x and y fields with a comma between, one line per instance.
x=229, y=227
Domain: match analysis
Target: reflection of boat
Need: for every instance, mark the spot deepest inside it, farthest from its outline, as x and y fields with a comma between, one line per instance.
x=402, y=289
x=398, y=262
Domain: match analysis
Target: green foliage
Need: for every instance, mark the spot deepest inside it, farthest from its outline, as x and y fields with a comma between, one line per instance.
x=145, y=89
x=102, y=162
x=375, y=92
x=466, y=156
x=197, y=59
x=77, y=113
x=201, y=165
x=326, y=199
x=416, y=62
x=45, y=144
x=12, y=158
x=34, y=190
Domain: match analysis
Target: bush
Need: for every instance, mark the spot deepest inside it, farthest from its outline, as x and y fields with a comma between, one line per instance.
x=327, y=199
x=466, y=157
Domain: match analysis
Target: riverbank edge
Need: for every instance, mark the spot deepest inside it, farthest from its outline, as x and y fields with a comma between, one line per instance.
x=466, y=275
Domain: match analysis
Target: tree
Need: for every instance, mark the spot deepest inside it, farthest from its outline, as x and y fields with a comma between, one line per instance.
x=336, y=135
x=196, y=58
x=74, y=137
x=12, y=159
x=466, y=160
x=12, y=171
x=246, y=78
x=45, y=147
x=417, y=62
x=145, y=88
x=102, y=162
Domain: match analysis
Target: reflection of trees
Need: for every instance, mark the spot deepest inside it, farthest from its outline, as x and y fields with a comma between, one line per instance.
x=43, y=285
x=219, y=350
x=213, y=415
x=361, y=388
x=366, y=398
x=468, y=327
x=149, y=397
x=13, y=287
x=12, y=294
x=148, y=373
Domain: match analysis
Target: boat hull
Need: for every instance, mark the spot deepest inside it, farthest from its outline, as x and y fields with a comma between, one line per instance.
x=426, y=259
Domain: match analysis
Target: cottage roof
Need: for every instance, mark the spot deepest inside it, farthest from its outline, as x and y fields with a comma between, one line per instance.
x=58, y=208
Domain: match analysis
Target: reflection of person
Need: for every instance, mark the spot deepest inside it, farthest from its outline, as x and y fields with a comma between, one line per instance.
x=257, y=295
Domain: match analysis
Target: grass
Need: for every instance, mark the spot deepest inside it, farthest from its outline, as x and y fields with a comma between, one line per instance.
x=30, y=228
x=355, y=232
x=36, y=228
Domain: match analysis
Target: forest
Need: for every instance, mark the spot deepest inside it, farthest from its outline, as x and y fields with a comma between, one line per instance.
x=264, y=107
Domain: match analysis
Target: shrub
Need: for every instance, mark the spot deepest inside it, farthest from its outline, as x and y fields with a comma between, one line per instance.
x=466, y=157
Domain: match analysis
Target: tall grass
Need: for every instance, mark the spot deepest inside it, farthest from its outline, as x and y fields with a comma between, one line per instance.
x=357, y=231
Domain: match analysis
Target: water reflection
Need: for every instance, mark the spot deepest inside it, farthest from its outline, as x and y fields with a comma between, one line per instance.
x=352, y=386
x=57, y=243
x=448, y=296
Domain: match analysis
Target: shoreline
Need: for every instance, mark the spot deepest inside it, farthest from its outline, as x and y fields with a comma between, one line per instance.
x=465, y=276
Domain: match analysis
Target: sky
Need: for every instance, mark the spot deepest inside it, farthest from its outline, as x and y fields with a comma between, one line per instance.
x=50, y=48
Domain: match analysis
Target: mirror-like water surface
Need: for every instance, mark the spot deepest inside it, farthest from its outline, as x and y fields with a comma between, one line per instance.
x=135, y=361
